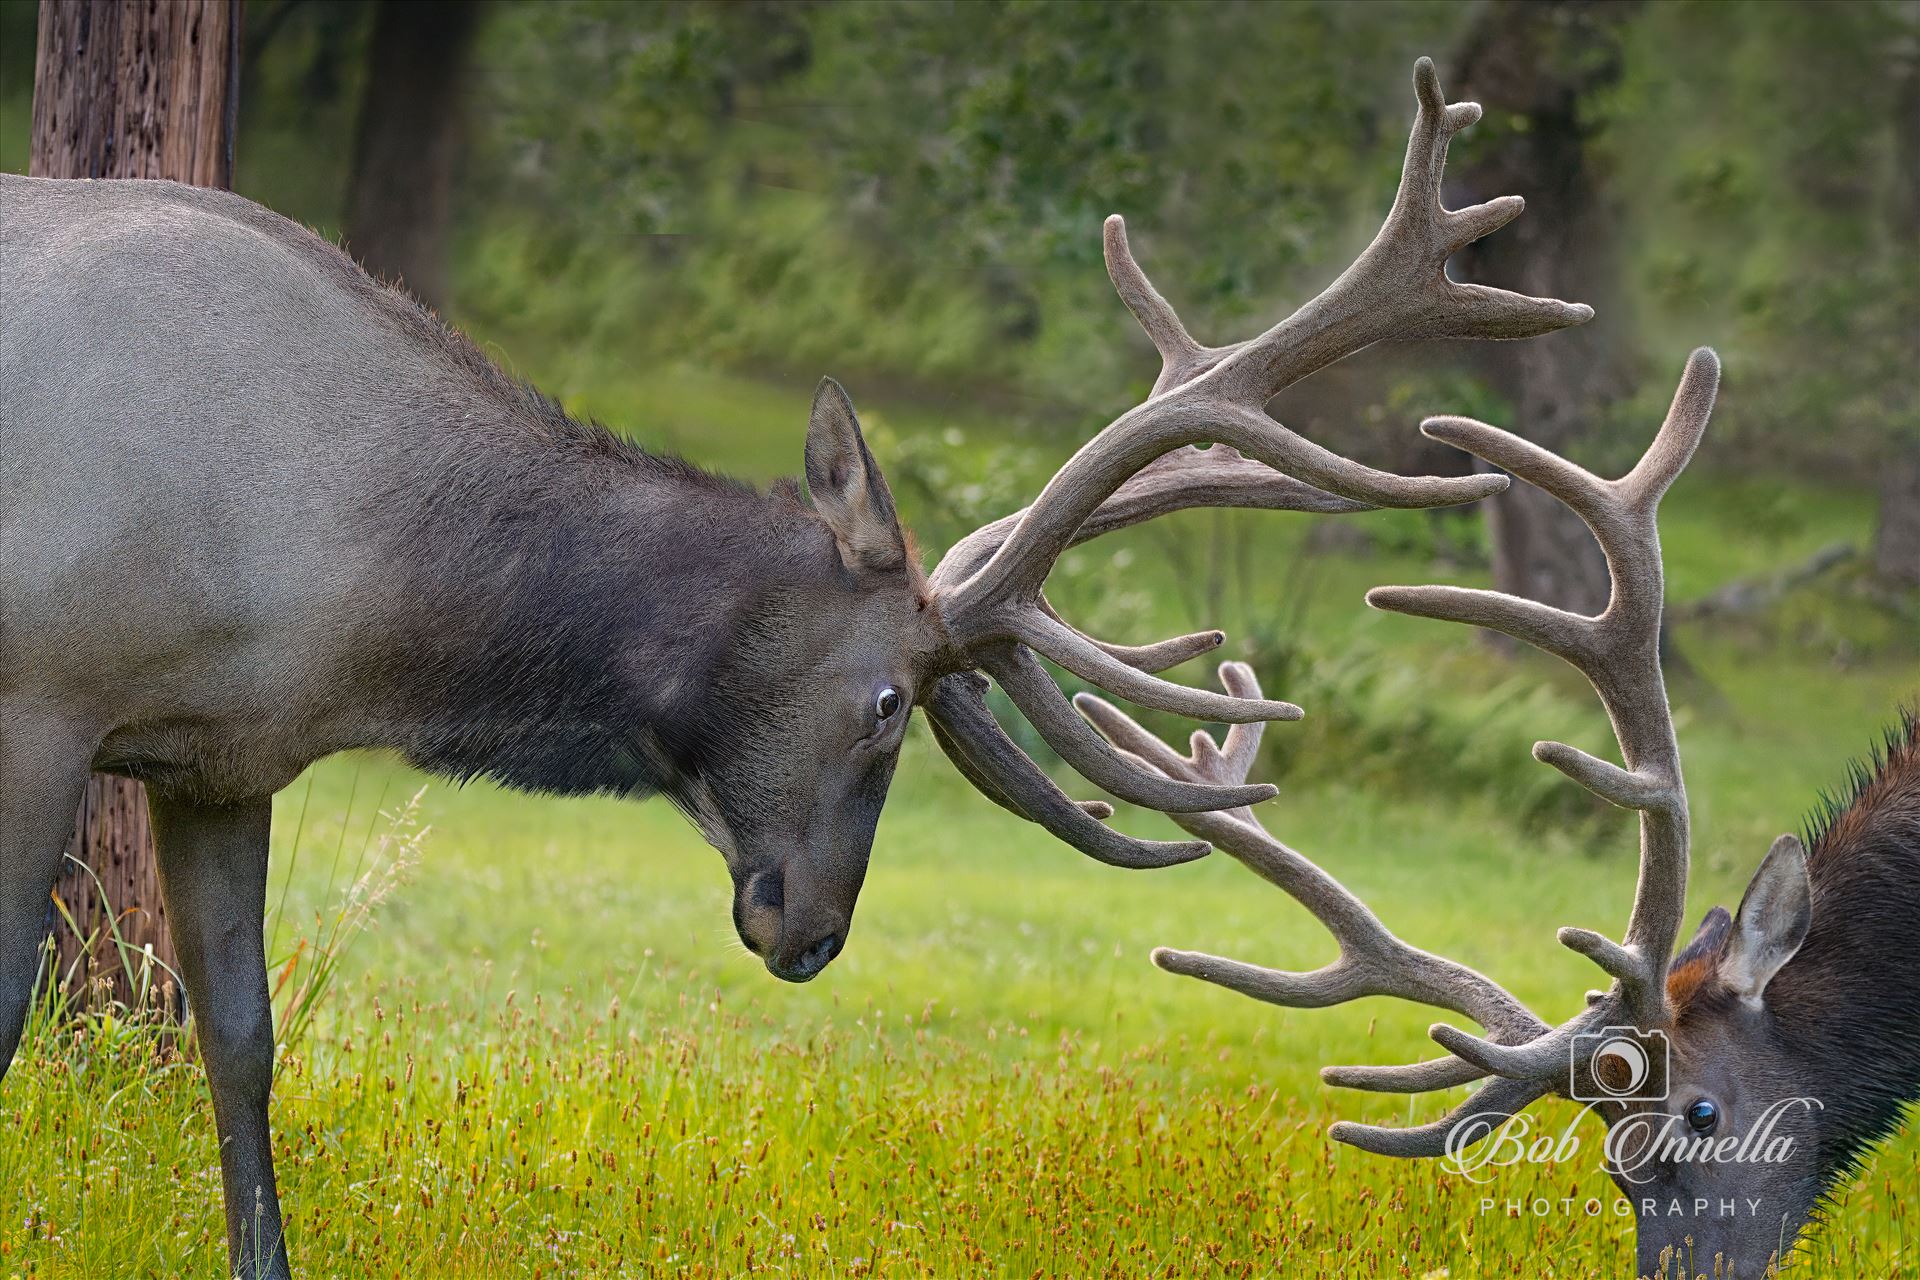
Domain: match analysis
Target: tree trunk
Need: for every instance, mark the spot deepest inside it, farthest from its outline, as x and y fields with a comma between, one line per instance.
x=1532, y=66
x=128, y=89
x=1896, y=535
x=1896, y=539
x=408, y=138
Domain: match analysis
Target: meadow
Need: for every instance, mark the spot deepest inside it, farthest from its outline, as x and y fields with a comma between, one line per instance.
x=548, y=1056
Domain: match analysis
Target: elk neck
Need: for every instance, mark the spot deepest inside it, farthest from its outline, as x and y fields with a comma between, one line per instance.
x=562, y=598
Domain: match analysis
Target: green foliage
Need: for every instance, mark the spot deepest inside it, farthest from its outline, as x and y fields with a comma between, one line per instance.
x=914, y=191
x=1379, y=724
x=1771, y=208
x=299, y=106
x=918, y=189
x=302, y=978
x=18, y=25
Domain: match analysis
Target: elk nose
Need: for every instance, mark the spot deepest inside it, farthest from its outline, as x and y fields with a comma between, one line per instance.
x=811, y=961
x=757, y=908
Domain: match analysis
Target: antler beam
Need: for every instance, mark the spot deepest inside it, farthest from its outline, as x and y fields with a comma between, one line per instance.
x=989, y=586
x=1619, y=652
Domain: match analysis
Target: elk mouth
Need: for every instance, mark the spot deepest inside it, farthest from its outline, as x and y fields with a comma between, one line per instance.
x=811, y=960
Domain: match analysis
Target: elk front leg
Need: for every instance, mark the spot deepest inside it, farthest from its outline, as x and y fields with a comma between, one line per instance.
x=43, y=771
x=213, y=877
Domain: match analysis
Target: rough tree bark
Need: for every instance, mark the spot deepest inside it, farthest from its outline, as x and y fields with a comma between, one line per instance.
x=1533, y=65
x=128, y=89
x=407, y=140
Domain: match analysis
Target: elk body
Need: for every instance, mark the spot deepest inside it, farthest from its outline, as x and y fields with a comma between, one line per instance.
x=1740, y=1080
x=256, y=508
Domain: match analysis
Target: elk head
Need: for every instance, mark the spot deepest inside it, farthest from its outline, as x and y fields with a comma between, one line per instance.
x=898, y=639
x=828, y=655
x=1740, y=1080
x=1796, y=1030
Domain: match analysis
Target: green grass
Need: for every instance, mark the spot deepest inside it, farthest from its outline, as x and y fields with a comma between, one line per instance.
x=551, y=1058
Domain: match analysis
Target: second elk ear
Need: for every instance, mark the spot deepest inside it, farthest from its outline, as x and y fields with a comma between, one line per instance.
x=846, y=485
x=1773, y=921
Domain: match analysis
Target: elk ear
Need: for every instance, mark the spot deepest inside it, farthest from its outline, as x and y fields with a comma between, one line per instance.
x=1773, y=921
x=1707, y=939
x=848, y=490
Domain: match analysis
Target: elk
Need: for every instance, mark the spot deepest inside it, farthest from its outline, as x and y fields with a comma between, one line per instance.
x=1795, y=1019
x=259, y=508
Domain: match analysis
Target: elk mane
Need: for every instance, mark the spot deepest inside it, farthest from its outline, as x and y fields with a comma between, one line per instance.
x=1879, y=803
x=1848, y=1004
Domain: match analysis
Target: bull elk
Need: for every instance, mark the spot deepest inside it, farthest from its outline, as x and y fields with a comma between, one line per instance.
x=259, y=508
x=1795, y=1020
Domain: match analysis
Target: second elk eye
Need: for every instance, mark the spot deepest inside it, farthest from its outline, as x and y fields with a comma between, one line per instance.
x=886, y=703
x=1702, y=1116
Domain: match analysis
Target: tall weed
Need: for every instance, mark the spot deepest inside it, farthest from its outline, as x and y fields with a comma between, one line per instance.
x=302, y=976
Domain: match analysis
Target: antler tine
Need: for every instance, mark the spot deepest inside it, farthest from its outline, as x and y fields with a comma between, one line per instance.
x=1023, y=559
x=1218, y=477
x=1048, y=710
x=1680, y=434
x=974, y=741
x=1086, y=660
x=1410, y=1077
x=1473, y=1121
x=1331, y=984
x=1155, y=657
x=1372, y=961
x=1619, y=653
x=1398, y=287
x=1241, y=746
x=1181, y=358
x=1176, y=481
x=1145, y=657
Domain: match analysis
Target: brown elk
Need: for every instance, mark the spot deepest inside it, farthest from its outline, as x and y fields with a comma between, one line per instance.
x=1741, y=1080
x=259, y=508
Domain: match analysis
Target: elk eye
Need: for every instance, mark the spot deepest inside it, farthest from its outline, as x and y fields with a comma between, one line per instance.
x=887, y=703
x=1702, y=1116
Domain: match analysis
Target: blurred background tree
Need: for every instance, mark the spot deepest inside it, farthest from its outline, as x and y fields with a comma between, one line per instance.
x=1540, y=69
x=1772, y=166
x=406, y=140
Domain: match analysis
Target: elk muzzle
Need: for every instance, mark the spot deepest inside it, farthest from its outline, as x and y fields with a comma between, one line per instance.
x=795, y=945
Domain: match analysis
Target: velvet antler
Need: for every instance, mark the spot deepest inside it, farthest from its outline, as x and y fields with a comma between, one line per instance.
x=989, y=586
x=1619, y=653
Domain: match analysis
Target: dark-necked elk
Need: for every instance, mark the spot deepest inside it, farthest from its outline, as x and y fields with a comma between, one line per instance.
x=1741, y=1080
x=259, y=508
